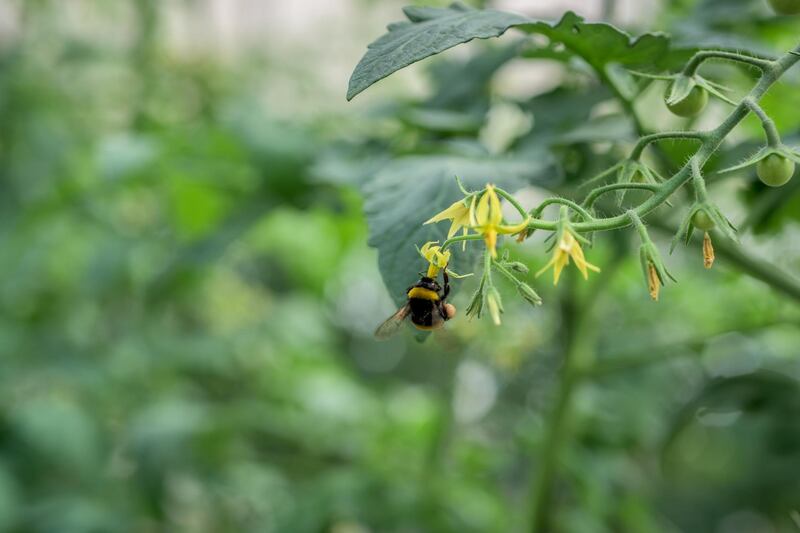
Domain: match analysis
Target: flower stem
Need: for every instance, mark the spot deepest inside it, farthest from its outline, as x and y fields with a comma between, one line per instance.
x=643, y=142
x=512, y=201
x=710, y=145
x=563, y=202
x=592, y=197
x=770, y=130
x=694, y=63
x=460, y=238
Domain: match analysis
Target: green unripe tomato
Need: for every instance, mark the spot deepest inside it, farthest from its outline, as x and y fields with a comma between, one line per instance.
x=785, y=7
x=702, y=221
x=691, y=104
x=775, y=170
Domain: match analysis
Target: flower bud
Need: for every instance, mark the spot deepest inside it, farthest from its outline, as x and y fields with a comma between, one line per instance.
x=529, y=294
x=516, y=266
x=495, y=305
x=475, y=306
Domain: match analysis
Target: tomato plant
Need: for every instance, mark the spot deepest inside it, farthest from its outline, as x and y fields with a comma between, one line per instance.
x=605, y=49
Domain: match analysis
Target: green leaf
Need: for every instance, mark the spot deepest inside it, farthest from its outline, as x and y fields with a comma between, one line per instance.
x=410, y=190
x=430, y=31
x=601, y=44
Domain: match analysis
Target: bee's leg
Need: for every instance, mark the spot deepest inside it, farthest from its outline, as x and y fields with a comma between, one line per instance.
x=442, y=311
x=446, y=284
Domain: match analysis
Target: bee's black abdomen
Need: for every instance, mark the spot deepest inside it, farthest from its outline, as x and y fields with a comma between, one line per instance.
x=421, y=311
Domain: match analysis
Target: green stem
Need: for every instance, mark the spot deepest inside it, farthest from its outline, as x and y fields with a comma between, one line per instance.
x=643, y=142
x=460, y=238
x=694, y=63
x=592, y=197
x=770, y=130
x=709, y=146
x=564, y=202
x=512, y=201
x=698, y=182
x=507, y=273
x=639, y=225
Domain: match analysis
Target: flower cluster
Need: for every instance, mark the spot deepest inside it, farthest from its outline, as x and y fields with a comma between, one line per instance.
x=478, y=215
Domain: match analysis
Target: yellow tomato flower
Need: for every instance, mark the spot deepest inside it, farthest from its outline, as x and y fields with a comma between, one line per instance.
x=437, y=259
x=568, y=247
x=487, y=219
x=459, y=213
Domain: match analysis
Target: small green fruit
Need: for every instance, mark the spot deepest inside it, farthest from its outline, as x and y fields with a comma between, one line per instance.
x=702, y=221
x=691, y=104
x=775, y=170
x=785, y=7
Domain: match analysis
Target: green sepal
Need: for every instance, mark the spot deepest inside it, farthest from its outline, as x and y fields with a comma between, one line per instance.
x=628, y=169
x=648, y=254
x=685, y=230
x=475, y=306
x=679, y=89
x=530, y=295
x=764, y=152
x=722, y=222
x=713, y=89
x=601, y=176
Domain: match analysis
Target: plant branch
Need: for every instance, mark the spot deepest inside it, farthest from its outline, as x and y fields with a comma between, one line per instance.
x=646, y=140
x=753, y=266
x=698, y=59
x=592, y=197
x=770, y=130
x=710, y=145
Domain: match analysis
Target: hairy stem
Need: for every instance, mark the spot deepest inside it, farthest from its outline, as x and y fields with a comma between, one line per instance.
x=592, y=197
x=566, y=203
x=698, y=59
x=710, y=145
x=646, y=140
x=770, y=130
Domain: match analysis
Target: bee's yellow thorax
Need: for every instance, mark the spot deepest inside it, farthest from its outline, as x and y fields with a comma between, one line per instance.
x=423, y=294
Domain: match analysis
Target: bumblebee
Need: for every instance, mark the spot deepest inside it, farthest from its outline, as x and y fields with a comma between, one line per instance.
x=427, y=306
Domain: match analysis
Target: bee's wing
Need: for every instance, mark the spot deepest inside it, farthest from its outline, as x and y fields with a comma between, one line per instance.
x=392, y=324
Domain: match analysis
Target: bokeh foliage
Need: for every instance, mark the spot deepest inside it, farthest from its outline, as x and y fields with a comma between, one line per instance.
x=188, y=301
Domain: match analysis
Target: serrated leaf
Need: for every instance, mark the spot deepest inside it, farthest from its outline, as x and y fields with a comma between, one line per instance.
x=430, y=31
x=601, y=44
x=409, y=190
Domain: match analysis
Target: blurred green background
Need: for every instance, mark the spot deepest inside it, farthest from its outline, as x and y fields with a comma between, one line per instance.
x=187, y=297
